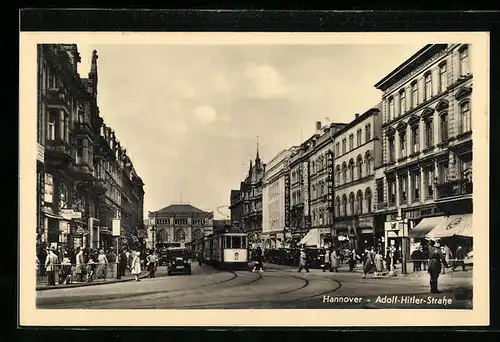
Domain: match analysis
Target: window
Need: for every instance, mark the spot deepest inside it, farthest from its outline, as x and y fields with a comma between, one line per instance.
x=343, y=146
x=351, y=170
x=444, y=126
x=351, y=142
x=368, y=131
x=51, y=125
x=415, y=186
x=337, y=206
x=392, y=149
x=49, y=187
x=236, y=242
x=313, y=168
x=78, y=152
x=299, y=198
x=344, y=205
x=391, y=188
x=81, y=114
x=443, y=82
x=402, y=102
x=344, y=173
x=415, y=138
x=391, y=109
x=464, y=61
x=294, y=198
x=351, y=204
x=403, y=189
x=337, y=175
x=414, y=94
x=380, y=191
x=402, y=144
x=443, y=172
x=428, y=86
x=337, y=149
x=465, y=117
x=359, y=202
x=429, y=134
x=429, y=182
x=368, y=163
x=313, y=191
x=368, y=198
x=358, y=137
x=360, y=167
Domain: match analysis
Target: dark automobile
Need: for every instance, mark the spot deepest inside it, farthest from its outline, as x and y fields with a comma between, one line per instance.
x=178, y=261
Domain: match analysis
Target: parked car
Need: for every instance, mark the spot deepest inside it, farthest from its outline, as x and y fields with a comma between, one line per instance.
x=178, y=260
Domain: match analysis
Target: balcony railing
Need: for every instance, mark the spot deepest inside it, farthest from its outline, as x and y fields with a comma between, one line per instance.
x=58, y=149
x=454, y=188
x=56, y=97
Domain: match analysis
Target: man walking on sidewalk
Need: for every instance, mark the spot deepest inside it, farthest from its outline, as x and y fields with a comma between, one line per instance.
x=434, y=270
x=303, y=261
x=50, y=266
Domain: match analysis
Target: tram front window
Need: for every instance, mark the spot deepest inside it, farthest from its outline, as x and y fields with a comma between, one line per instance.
x=245, y=243
x=236, y=242
x=227, y=240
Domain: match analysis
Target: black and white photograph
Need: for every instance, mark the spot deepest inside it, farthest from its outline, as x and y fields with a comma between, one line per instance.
x=250, y=175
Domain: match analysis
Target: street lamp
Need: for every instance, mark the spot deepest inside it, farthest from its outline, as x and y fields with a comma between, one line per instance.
x=152, y=222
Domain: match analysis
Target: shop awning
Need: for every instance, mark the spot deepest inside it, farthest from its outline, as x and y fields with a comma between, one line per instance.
x=49, y=215
x=312, y=238
x=425, y=226
x=454, y=225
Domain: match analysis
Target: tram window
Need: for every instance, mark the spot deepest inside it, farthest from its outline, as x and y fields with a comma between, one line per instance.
x=228, y=242
x=236, y=242
x=244, y=245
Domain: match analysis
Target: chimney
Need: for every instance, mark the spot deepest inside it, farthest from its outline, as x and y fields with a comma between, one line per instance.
x=318, y=126
x=356, y=116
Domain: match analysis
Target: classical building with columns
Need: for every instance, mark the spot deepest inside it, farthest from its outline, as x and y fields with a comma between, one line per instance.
x=426, y=173
x=179, y=224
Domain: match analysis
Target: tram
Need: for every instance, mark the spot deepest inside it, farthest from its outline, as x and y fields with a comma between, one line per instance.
x=226, y=250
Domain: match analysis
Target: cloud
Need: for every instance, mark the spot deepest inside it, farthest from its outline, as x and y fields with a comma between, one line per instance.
x=267, y=81
x=205, y=114
x=221, y=83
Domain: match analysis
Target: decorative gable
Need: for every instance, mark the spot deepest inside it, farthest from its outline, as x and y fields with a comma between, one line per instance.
x=390, y=131
x=413, y=120
x=427, y=112
x=401, y=126
x=442, y=105
x=463, y=92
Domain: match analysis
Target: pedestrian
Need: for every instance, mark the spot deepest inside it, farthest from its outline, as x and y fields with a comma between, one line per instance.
x=303, y=261
x=80, y=265
x=135, y=269
x=448, y=257
x=416, y=257
x=425, y=255
x=326, y=262
x=90, y=270
x=65, y=274
x=434, y=270
x=379, y=263
x=152, y=263
x=351, y=260
x=368, y=261
x=334, y=261
x=122, y=264
x=102, y=268
x=460, y=258
x=51, y=266
x=258, y=260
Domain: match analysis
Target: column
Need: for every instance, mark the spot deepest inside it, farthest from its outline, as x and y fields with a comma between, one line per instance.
x=409, y=195
x=397, y=191
x=423, y=192
x=62, y=129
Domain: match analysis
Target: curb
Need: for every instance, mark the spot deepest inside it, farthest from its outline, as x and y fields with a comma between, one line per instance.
x=68, y=286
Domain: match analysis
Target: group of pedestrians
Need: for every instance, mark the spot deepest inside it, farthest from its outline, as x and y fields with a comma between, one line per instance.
x=85, y=264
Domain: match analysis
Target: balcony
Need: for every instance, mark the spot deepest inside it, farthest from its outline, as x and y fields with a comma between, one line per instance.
x=82, y=172
x=58, y=152
x=100, y=187
x=82, y=128
x=456, y=188
x=55, y=98
x=381, y=206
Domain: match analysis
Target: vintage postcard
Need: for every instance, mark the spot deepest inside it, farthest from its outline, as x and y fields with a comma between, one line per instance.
x=229, y=179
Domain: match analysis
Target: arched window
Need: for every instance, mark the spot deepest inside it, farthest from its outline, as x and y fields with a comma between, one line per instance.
x=294, y=198
x=351, y=170
x=294, y=177
x=63, y=195
x=314, y=191
x=337, y=175
x=198, y=234
x=344, y=205
x=180, y=235
x=322, y=188
x=351, y=203
x=359, y=202
x=337, y=206
x=368, y=163
x=313, y=168
x=359, y=164
x=344, y=172
x=314, y=217
x=368, y=198
x=299, y=198
x=321, y=216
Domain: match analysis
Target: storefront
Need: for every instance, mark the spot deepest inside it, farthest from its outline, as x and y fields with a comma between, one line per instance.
x=345, y=234
x=419, y=233
x=365, y=233
x=453, y=231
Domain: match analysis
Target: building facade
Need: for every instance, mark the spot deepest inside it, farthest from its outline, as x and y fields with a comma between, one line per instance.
x=276, y=201
x=71, y=183
x=236, y=209
x=251, y=195
x=357, y=154
x=427, y=136
x=179, y=224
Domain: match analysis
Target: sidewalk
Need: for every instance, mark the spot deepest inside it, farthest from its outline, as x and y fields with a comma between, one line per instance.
x=128, y=277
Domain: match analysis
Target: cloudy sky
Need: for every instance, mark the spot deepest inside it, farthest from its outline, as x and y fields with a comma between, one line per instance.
x=189, y=115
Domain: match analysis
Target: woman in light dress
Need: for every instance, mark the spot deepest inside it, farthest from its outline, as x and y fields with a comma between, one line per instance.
x=135, y=269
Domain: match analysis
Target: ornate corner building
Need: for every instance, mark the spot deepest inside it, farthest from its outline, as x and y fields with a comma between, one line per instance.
x=84, y=178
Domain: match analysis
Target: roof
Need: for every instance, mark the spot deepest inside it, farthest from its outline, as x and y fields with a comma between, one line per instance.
x=181, y=208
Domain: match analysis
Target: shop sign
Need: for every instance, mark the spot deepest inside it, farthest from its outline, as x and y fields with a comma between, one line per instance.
x=287, y=201
x=329, y=161
x=116, y=227
x=366, y=222
x=104, y=230
x=70, y=214
x=40, y=153
x=413, y=214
